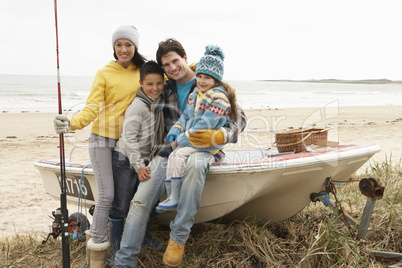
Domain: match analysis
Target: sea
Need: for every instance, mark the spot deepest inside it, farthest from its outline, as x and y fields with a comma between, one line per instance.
x=39, y=94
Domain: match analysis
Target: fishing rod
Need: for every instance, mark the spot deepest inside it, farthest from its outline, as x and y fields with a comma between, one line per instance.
x=63, y=197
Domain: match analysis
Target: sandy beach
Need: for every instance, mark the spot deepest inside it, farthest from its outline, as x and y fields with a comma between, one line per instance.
x=28, y=137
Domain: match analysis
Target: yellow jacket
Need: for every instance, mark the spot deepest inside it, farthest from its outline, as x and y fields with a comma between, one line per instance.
x=113, y=89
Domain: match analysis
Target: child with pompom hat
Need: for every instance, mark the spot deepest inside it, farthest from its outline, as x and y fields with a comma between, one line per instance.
x=208, y=107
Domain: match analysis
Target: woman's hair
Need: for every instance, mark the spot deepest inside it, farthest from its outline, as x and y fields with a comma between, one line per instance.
x=232, y=99
x=137, y=59
x=169, y=45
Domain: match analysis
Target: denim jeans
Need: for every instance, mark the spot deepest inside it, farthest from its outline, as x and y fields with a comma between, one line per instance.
x=193, y=182
x=149, y=193
x=125, y=185
x=100, y=153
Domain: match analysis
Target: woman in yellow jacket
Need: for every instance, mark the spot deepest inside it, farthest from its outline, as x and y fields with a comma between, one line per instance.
x=114, y=88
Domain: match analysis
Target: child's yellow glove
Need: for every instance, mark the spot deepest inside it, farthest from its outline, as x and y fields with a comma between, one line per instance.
x=193, y=66
x=205, y=138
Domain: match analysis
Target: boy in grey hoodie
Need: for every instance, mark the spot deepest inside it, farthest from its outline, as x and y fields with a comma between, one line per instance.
x=143, y=132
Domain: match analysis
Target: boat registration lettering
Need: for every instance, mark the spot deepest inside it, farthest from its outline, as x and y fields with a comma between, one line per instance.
x=73, y=186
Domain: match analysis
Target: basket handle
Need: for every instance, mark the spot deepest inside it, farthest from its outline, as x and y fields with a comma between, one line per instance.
x=308, y=135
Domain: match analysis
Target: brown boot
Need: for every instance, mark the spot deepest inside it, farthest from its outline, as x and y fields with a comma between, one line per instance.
x=98, y=253
x=173, y=255
x=88, y=235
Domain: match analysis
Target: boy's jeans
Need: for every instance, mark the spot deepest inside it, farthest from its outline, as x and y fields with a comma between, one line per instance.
x=125, y=185
x=149, y=193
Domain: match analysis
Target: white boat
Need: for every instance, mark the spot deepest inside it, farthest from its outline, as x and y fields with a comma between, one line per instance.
x=248, y=183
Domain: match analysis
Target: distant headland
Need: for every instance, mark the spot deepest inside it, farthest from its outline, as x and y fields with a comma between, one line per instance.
x=365, y=81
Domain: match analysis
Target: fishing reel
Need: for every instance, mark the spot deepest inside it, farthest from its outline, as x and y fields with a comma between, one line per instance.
x=77, y=224
x=56, y=225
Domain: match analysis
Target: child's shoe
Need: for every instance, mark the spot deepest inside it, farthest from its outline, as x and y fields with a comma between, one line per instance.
x=168, y=188
x=173, y=199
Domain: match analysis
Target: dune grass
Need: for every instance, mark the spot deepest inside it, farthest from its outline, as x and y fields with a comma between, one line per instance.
x=315, y=237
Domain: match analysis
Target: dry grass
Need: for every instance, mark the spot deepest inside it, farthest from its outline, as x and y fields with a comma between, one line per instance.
x=315, y=237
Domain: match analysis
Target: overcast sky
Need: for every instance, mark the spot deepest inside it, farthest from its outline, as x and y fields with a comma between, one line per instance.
x=266, y=39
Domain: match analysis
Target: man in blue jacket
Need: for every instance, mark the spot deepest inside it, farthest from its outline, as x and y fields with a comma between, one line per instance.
x=173, y=59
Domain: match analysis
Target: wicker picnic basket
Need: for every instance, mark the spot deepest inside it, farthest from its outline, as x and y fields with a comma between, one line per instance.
x=297, y=140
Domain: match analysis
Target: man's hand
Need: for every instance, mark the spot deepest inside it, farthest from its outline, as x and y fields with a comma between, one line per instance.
x=61, y=124
x=144, y=174
x=205, y=138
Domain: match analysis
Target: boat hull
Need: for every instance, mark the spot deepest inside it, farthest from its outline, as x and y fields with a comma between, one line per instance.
x=260, y=184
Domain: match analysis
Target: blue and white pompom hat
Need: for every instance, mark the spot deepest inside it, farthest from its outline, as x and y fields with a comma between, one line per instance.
x=211, y=63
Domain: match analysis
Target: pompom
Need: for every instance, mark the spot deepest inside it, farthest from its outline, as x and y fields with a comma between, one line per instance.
x=214, y=51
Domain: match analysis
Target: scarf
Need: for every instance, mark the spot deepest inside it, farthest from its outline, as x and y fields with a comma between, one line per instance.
x=156, y=107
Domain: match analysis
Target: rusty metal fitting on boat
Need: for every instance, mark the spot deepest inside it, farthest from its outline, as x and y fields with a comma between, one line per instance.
x=369, y=187
x=327, y=185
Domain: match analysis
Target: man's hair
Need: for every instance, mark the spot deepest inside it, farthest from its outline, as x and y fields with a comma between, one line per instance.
x=169, y=45
x=150, y=67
